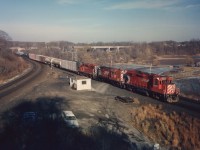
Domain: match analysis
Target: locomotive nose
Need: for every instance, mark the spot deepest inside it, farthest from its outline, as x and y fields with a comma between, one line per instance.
x=171, y=89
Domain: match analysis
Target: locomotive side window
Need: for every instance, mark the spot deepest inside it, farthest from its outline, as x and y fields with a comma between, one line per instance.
x=167, y=81
x=164, y=81
x=112, y=73
x=156, y=82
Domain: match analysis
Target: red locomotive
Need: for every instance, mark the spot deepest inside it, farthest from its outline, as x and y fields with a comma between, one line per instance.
x=156, y=86
x=111, y=75
x=89, y=70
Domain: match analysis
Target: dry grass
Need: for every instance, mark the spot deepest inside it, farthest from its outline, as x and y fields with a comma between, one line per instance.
x=176, y=130
x=136, y=100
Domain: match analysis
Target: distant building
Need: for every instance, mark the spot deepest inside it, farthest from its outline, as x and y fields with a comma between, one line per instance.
x=54, y=47
x=33, y=48
x=197, y=64
x=17, y=48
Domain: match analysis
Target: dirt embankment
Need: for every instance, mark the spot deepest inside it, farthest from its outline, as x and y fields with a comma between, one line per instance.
x=11, y=67
x=178, y=130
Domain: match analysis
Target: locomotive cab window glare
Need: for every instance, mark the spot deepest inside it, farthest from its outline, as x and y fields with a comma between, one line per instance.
x=156, y=82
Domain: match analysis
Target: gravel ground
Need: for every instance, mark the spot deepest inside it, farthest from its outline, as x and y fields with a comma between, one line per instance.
x=96, y=108
x=190, y=87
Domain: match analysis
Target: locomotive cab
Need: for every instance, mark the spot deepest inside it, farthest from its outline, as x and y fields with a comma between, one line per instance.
x=165, y=87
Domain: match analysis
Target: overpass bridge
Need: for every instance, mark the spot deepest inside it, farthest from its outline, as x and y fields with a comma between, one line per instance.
x=107, y=48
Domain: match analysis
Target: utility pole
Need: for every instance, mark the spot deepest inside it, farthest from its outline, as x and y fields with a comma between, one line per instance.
x=111, y=60
x=51, y=63
x=74, y=55
x=150, y=68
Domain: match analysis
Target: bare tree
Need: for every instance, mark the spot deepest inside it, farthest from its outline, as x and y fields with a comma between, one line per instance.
x=189, y=61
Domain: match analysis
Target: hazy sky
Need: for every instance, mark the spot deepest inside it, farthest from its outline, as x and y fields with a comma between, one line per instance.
x=100, y=20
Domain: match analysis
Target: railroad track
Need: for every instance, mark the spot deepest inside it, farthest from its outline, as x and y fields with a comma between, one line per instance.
x=189, y=104
x=12, y=86
x=183, y=103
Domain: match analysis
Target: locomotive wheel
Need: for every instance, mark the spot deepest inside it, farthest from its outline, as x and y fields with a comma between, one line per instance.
x=177, y=98
x=147, y=93
x=122, y=86
x=169, y=99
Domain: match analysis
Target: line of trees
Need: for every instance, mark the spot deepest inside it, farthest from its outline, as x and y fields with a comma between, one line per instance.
x=137, y=52
x=10, y=64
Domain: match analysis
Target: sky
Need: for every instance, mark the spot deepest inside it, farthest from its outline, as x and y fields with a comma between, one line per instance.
x=100, y=20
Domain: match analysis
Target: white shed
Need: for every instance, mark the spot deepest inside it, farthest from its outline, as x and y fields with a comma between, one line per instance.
x=80, y=83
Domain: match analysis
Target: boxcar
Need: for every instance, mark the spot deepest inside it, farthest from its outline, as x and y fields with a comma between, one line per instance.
x=32, y=56
x=69, y=65
x=40, y=58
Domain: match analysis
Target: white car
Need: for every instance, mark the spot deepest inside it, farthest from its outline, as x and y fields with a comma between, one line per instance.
x=70, y=119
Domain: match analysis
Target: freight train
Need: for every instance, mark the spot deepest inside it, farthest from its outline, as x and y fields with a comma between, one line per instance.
x=139, y=80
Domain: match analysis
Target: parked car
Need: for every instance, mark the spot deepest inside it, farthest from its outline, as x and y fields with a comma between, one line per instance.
x=124, y=99
x=70, y=119
x=30, y=117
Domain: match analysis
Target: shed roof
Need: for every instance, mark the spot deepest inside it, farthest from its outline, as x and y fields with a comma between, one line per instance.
x=79, y=77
